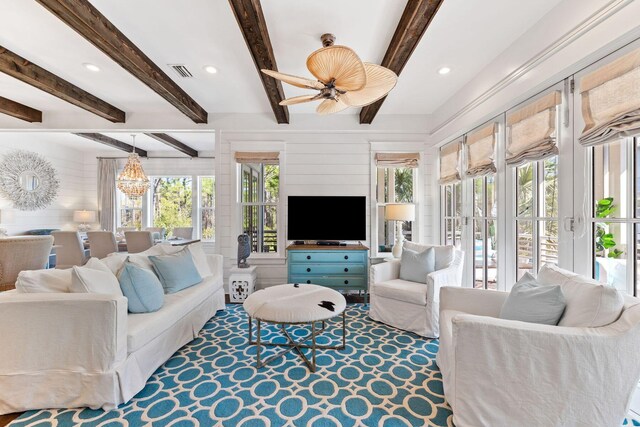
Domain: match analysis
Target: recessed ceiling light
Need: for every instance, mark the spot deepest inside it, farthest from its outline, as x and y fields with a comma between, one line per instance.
x=210, y=69
x=444, y=70
x=91, y=67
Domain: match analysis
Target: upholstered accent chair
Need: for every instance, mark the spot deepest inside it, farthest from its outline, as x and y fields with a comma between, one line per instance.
x=183, y=232
x=69, y=249
x=101, y=243
x=138, y=241
x=21, y=253
x=413, y=306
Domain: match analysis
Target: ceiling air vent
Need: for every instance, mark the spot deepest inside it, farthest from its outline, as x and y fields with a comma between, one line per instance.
x=181, y=70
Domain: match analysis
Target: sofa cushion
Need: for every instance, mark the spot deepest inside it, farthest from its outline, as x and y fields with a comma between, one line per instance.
x=589, y=303
x=402, y=290
x=144, y=327
x=176, y=271
x=47, y=280
x=529, y=301
x=142, y=288
x=444, y=254
x=116, y=260
x=94, y=278
x=414, y=266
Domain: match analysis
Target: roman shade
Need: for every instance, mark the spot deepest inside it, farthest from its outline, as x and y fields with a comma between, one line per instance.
x=481, y=151
x=450, y=162
x=611, y=101
x=531, y=130
x=266, y=157
x=397, y=160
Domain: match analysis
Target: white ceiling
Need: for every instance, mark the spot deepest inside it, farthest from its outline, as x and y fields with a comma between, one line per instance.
x=465, y=35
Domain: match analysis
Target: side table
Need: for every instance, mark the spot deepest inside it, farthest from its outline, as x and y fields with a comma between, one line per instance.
x=242, y=282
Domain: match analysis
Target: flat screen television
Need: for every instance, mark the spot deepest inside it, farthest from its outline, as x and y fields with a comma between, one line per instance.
x=327, y=218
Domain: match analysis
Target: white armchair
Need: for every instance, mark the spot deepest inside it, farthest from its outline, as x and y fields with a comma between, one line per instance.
x=500, y=372
x=411, y=306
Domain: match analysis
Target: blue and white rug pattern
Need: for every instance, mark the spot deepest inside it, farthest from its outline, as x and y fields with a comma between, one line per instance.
x=384, y=378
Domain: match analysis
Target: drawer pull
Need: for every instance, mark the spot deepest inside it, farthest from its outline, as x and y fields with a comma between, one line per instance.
x=308, y=256
x=346, y=270
x=346, y=282
x=346, y=257
x=308, y=270
x=308, y=281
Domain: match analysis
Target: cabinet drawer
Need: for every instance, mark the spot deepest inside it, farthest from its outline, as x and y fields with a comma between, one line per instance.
x=337, y=282
x=324, y=269
x=327, y=256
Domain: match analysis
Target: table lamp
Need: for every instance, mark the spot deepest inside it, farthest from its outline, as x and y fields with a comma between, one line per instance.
x=399, y=212
x=84, y=218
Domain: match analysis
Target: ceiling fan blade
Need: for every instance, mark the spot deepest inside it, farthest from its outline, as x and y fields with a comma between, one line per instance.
x=295, y=80
x=380, y=81
x=300, y=99
x=330, y=106
x=340, y=64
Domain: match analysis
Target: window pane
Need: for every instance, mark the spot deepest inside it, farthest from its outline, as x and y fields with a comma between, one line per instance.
x=448, y=232
x=208, y=224
x=610, y=248
x=524, y=190
x=492, y=256
x=271, y=183
x=448, y=198
x=270, y=236
x=549, y=203
x=458, y=199
x=525, y=247
x=548, y=231
x=492, y=200
x=478, y=197
x=207, y=191
x=478, y=250
x=403, y=185
x=171, y=199
x=131, y=218
x=457, y=233
x=126, y=202
x=610, y=180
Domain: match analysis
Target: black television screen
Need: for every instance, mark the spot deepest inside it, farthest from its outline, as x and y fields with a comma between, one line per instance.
x=327, y=218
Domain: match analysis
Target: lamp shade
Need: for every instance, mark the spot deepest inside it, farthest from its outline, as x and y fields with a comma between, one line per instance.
x=400, y=212
x=84, y=216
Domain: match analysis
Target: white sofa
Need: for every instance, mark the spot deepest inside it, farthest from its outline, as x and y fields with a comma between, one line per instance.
x=66, y=350
x=412, y=306
x=505, y=373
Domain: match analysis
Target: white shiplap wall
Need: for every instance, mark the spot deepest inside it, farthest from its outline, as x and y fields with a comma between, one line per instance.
x=319, y=164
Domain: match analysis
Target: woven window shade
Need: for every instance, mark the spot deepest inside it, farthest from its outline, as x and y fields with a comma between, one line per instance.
x=450, y=163
x=531, y=131
x=611, y=101
x=267, y=157
x=397, y=160
x=481, y=151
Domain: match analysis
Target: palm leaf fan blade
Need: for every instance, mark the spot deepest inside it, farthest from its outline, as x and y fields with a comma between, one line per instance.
x=294, y=80
x=380, y=81
x=299, y=99
x=330, y=106
x=339, y=64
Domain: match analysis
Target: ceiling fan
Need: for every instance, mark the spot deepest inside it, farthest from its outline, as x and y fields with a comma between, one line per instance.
x=343, y=80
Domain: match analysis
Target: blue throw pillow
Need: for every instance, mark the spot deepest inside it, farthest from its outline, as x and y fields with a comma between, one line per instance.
x=142, y=288
x=414, y=266
x=529, y=301
x=176, y=271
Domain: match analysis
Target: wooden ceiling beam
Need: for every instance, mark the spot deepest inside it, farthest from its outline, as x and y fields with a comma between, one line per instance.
x=20, y=111
x=173, y=143
x=87, y=21
x=36, y=76
x=112, y=142
x=253, y=26
x=414, y=22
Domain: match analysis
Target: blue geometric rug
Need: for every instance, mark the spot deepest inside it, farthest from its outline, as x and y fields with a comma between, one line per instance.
x=385, y=377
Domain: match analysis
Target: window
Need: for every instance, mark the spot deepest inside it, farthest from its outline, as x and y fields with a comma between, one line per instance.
x=207, y=207
x=171, y=202
x=451, y=204
x=536, y=214
x=259, y=196
x=130, y=211
x=485, y=210
x=393, y=185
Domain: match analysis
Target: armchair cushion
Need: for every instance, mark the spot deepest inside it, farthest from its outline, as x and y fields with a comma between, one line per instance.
x=414, y=266
x=402, y=290
x=444, y=255
x=531, y=302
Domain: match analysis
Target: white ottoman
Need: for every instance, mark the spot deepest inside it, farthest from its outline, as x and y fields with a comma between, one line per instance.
x=295, y=304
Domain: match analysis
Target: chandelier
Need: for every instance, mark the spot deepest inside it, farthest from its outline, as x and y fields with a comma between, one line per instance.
x=132, y=181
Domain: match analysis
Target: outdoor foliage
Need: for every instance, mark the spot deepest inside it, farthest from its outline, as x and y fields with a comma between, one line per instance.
x=605, y=239
x=172, y=202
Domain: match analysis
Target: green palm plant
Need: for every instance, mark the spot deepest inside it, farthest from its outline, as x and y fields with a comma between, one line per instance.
x=604, y=239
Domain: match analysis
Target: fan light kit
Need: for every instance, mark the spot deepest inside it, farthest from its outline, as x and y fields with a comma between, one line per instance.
x=343, y=80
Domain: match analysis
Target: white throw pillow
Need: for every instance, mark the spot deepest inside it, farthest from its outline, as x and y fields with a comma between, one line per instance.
x=97, y=264
x=115, y=261
x=39, y=281
x=589, y=303
x=444, y=254
x=93, y=281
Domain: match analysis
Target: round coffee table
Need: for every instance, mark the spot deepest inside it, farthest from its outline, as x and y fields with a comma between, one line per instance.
x=295, y=304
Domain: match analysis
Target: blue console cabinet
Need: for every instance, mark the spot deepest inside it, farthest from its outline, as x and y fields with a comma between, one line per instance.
x=337, y=267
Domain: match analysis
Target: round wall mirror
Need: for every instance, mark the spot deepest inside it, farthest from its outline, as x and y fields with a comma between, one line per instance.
x=29, y=181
